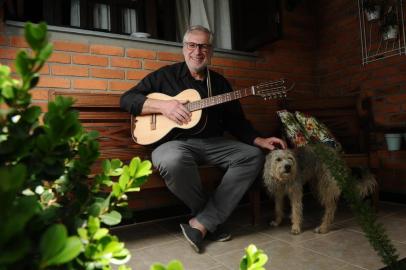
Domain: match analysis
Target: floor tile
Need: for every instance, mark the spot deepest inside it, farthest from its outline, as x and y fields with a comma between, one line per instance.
x=179, y=250
x=143, y=235
x=349, y=246
x=240, y=239
x=283, y=256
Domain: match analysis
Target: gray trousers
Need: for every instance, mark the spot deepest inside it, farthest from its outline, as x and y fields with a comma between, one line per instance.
x=178, y=161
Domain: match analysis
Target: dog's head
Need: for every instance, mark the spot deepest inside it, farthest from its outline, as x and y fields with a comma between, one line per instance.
x=280, y=165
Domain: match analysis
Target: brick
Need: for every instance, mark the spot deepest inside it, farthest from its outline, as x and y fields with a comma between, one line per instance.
x=107, y=73
x=18, y=41
x=8, y=53
x=137, y=74
x=384, y=72
x=396, y=99
x=217, y=61
x=125, y=62
x=53, y=82
x=121, y=85
x=398, y=118
x=90, y=60
x=68, y=70
x=90, y=84
x=166, y=56
x=154, y=65
x=40, y=94
x=240, y=73
x=395, y=79
x=57, y=57
x=138, y=53
x=106, y=50
x=68, y=46
x=3, y=40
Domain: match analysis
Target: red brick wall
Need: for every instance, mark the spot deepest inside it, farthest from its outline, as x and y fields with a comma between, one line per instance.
x=103, y=64
x=340, y=68
x=340, y=72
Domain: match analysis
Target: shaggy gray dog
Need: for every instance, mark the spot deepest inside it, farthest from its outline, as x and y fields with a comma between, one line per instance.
x=285, y=173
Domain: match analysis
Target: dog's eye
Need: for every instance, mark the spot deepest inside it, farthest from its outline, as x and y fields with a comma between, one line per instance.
x=278, y=159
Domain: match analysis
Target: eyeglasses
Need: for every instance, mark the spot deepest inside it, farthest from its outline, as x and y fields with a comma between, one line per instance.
x=192, y=46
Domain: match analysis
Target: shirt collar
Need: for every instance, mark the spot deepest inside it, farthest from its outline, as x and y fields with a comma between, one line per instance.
x=184, y=71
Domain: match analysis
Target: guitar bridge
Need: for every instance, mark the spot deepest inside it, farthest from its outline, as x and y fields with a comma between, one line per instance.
x=153, y=122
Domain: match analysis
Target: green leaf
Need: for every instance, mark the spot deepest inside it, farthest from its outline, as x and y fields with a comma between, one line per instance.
x=95, y=209
x=93, y=225
x=23, y=63
x=106, y=165
x=144, y=169
x=53, y=241
x=71, y=250
x=116, y=190
x=31, y=114
x=45, y=52
x=111, y=218
x=12, y=178
x=157, y=266
x=123, y=180
x=134, y=165
x=35, y=35
x=7, y=91
x=100, y=233
x=175, y=265
x=4, y=71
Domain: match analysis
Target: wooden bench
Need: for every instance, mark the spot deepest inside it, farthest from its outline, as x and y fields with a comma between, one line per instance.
x=101, y=112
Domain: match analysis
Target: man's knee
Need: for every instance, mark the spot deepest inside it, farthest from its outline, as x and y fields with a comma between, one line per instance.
x=166, y=158
x=255, y=155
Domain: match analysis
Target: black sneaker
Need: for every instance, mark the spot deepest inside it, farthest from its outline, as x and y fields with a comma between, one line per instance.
x=219, y=235
x=193, y=236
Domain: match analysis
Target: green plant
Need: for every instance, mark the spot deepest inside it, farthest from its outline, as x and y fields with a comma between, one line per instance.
x=365, y=215
x=51, y=214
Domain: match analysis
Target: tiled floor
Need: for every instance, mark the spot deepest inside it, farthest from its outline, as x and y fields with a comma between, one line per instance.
x=344, y=248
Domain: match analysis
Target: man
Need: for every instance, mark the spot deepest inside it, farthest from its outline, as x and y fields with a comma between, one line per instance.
x=178, y=159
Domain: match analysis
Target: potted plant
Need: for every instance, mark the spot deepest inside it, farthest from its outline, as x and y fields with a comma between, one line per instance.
x=372, y=9
x=390, y=25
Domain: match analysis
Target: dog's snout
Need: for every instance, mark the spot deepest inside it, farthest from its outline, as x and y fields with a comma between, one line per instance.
x=288, y=167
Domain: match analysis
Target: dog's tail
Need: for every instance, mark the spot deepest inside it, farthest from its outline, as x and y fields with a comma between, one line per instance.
x=367, y=184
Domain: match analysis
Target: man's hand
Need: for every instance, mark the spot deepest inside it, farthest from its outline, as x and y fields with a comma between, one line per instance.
x=270, y=143
x=176, y=111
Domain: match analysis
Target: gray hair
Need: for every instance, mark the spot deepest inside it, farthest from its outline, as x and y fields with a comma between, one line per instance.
x=198, y=28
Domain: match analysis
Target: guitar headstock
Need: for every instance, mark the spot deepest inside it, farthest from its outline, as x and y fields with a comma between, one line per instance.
x=273, y=89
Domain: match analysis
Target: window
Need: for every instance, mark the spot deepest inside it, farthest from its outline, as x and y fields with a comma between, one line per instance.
x=237, y=24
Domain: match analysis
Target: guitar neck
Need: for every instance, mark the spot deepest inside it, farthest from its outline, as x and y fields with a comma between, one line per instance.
x=215, y=100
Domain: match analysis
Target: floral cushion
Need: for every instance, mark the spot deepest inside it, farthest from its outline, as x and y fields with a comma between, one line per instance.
x=301, y=129
x=293, y=130
x=317, y=131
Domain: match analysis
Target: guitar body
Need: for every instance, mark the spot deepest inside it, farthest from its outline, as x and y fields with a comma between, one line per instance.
x=156, y=128
x=150, y=129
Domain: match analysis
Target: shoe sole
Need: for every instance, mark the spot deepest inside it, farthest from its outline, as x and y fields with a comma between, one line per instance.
x=196, y=248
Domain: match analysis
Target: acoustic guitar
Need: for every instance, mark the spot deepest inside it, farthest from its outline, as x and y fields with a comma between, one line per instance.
x=156, y=128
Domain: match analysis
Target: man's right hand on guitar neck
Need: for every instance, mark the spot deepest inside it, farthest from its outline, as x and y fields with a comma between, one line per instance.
x=174, y=110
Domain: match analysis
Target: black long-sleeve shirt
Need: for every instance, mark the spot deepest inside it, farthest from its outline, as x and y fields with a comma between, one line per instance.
x=173, y=79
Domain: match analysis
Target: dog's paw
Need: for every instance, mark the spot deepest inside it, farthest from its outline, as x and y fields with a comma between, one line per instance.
x=274, y=223
x=321, y=230
x=295, y=230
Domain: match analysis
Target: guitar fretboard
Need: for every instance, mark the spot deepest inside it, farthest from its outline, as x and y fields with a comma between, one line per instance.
x=215, y=100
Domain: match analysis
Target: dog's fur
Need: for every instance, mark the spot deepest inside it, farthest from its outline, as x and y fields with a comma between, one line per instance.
x=285, y=173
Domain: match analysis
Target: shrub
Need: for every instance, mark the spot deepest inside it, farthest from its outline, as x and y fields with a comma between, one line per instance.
x=51, y=214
